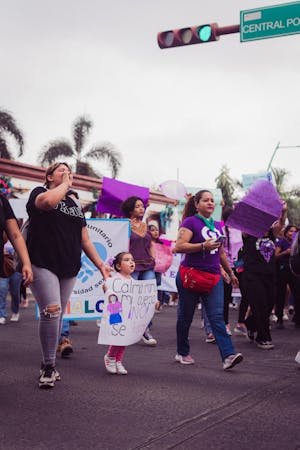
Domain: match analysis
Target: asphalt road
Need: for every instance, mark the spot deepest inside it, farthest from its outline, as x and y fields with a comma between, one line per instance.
x=160, y=404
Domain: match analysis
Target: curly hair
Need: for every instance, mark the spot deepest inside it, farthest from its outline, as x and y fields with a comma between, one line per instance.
x=128, y=205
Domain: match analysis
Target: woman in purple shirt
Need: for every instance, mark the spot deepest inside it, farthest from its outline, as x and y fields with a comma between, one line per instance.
x=198, y=240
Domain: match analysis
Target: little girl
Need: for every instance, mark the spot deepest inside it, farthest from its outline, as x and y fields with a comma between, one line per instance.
x=123, y=264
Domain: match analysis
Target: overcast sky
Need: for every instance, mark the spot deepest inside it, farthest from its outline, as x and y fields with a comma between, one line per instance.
x=194, y=108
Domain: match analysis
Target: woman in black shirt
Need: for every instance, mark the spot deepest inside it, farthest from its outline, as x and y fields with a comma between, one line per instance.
x=56, y=236
x=9, y=224
x=259, y=282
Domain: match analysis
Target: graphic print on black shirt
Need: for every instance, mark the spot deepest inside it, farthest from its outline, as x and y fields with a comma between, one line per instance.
x=259, y=254
x=54, y=237
x=266, y=248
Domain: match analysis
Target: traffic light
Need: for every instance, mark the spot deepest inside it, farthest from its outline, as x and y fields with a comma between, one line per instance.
x=187, y=36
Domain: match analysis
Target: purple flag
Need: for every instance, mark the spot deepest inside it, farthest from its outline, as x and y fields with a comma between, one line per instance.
x=257, y=210
x=115, y=192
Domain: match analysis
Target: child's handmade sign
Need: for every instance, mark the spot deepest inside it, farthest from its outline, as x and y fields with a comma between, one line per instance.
x=128, y=308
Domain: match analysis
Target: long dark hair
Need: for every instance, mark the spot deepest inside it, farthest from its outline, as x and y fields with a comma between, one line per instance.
x=287, y=229
x=190, y=206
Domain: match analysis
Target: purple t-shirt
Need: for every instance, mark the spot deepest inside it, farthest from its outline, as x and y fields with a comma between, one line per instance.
x=284, y=244
x=209, y=261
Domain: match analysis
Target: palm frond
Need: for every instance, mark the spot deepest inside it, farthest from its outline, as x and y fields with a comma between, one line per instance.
x=54, y=150
x=106, y=151
x=84, y=168
x=8, y=124
x=81, y=129
x=4, y=152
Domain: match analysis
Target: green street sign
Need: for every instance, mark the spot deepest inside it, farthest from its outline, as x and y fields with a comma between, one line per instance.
x=270, y=21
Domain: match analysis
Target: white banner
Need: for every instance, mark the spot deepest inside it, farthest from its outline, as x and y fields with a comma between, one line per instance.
x=109, y=236
x=168, y=278
x=128, y=309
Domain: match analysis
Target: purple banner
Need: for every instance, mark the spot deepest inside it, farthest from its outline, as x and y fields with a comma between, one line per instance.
x=257, y=211
x=114, y=192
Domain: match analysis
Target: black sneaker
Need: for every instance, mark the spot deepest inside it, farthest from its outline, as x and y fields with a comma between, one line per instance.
x=250, y=335
x=56, y=372
x=148, y=339
x=47, y=376
x=267, y=345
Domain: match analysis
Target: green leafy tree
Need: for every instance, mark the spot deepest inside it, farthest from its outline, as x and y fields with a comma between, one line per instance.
x=280, y=176
x=292, y=197
x=62, y=148
x=227, y=185
x=8, y=126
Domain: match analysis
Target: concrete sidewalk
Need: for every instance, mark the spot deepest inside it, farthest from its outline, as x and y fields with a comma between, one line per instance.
x=160, y=404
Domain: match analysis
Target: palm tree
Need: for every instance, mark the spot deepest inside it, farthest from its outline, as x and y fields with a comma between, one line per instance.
x=61, y=147
x=280, y=176
x=227, y=185
x=8, y=125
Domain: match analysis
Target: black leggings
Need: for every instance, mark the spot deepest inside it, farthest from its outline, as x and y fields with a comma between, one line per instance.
x=244, y=301
x=259, y=290
x=284, y=278
x=227, y=300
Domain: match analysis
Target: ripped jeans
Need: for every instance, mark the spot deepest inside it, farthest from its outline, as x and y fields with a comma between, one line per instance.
x=51, y=294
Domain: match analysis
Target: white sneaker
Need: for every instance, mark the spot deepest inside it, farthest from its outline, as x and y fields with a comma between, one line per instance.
x=232, y=360
x=110, y=364
x=148, y=339
x=120, y=368
x=228, y=330
x=297, y=358
x=2, y=321
x=15, y=317
x=184, y=359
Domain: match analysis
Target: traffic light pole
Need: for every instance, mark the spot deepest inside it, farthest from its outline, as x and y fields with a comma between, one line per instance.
x=230, y=29
x=198, y=34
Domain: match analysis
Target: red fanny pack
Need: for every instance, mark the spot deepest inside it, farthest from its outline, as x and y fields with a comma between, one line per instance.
x=197, y=280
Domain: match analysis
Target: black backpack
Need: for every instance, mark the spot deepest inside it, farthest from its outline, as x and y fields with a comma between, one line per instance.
x=294, y=259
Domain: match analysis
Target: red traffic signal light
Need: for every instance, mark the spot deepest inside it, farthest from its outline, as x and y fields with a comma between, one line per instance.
x=187, y=36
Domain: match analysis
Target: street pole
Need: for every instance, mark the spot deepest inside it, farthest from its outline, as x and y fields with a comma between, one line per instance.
x=272, y=157
x=275, y=150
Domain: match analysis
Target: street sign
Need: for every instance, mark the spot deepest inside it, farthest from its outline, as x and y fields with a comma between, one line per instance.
x=270, y=21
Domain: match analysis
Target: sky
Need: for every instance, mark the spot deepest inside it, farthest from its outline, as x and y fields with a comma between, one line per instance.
x=182, y=112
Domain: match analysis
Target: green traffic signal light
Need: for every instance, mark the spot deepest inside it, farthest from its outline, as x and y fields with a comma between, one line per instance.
x=204, y=33
x=187, y=36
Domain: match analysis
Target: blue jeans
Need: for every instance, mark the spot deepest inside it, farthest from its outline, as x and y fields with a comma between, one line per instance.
x=13, y=284
x=143, y=275
x=207, y=326
x=213, y=304
x=65, y=329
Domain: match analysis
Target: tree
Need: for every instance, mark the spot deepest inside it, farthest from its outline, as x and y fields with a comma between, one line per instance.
x=63, y=148
x=227, y=185
x=8, y=126
x=280, y=176
x=291, y=197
